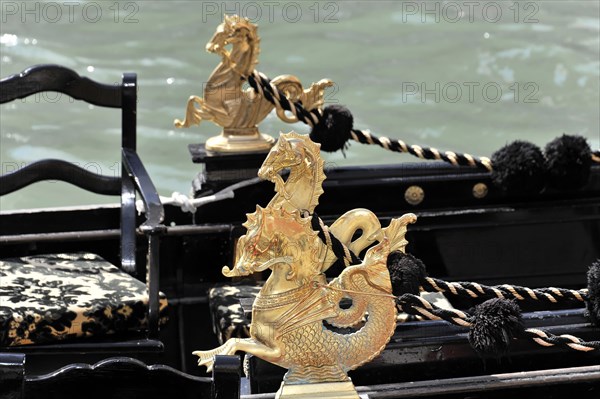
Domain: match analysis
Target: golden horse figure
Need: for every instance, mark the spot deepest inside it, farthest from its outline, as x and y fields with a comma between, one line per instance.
x=303, y=187
x=295, y=315
x=227, y=104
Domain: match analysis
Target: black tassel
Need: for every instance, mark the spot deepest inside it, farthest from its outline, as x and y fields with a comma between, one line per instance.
x=406, y=273
x=495, y=323
x=333, y=130
x=569, y=160
x=519, y=168
x=593, y=302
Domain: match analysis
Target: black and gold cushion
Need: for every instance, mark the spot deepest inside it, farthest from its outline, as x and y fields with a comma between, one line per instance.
x=54, y=297
x=227, y=313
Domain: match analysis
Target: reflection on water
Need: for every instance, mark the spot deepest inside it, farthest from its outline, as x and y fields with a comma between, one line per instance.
x=465, y=76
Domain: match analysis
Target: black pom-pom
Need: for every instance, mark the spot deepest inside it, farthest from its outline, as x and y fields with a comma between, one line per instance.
x=593, y=285
x=333, y=130
x=569, y=160
x=519, y=168
x=406, y=273
x=495, y=323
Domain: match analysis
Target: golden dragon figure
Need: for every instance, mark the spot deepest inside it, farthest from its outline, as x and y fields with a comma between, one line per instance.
x=289, y=313
x=297, y=315
x=239, y=110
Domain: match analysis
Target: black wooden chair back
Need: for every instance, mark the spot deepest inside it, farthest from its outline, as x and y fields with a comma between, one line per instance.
x=134, y=178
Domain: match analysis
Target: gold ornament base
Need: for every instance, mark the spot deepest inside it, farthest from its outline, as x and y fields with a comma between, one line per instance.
x=324, y=390
x=240, y=140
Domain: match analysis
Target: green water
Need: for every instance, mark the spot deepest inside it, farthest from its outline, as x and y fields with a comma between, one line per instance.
x=498, y=72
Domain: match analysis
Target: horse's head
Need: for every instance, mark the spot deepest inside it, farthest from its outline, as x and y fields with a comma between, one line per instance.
x=276, y=237
x=233, y=29
x=301, y=156
x=285, y=154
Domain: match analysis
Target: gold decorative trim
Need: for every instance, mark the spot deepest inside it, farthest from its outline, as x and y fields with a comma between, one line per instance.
x=324, y=390
x=273, y=301
x=414, y=195
x=480, y=190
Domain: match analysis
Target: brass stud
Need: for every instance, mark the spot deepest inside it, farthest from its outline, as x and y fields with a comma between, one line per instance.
x=480, y=190
x=414, y=195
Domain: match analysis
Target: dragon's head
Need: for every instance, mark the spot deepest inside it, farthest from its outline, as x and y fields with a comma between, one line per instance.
x=276, y=237
x=230, y=31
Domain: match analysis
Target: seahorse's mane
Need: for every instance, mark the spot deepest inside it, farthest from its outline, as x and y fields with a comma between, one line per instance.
x=236, y=22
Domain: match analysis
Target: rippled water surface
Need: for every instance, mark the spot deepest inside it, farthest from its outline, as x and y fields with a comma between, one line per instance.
x=464, y=76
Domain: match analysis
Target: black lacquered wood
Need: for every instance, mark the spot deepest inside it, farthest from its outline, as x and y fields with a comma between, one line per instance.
x=128, y=226
x=114, y=345
x=129, y=111
x=119, y=377
x=56, y=169
x=153, y=287
x=576, y=382
x=559, y=383
x=152, y=227
x=12, y=375
x=226, y=376
x=40, y=78
x=143, y=184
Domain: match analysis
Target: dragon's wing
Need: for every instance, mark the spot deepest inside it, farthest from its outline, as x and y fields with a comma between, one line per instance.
x=312, y=308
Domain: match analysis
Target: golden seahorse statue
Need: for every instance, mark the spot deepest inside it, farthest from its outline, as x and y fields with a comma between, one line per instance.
x=297, y=311
x=238, y=110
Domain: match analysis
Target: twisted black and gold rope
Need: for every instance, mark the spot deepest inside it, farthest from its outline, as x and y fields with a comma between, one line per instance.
x=339, y=249
x=262, y=84
x=505, y=291
x=430, y=153
x=416, y=305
